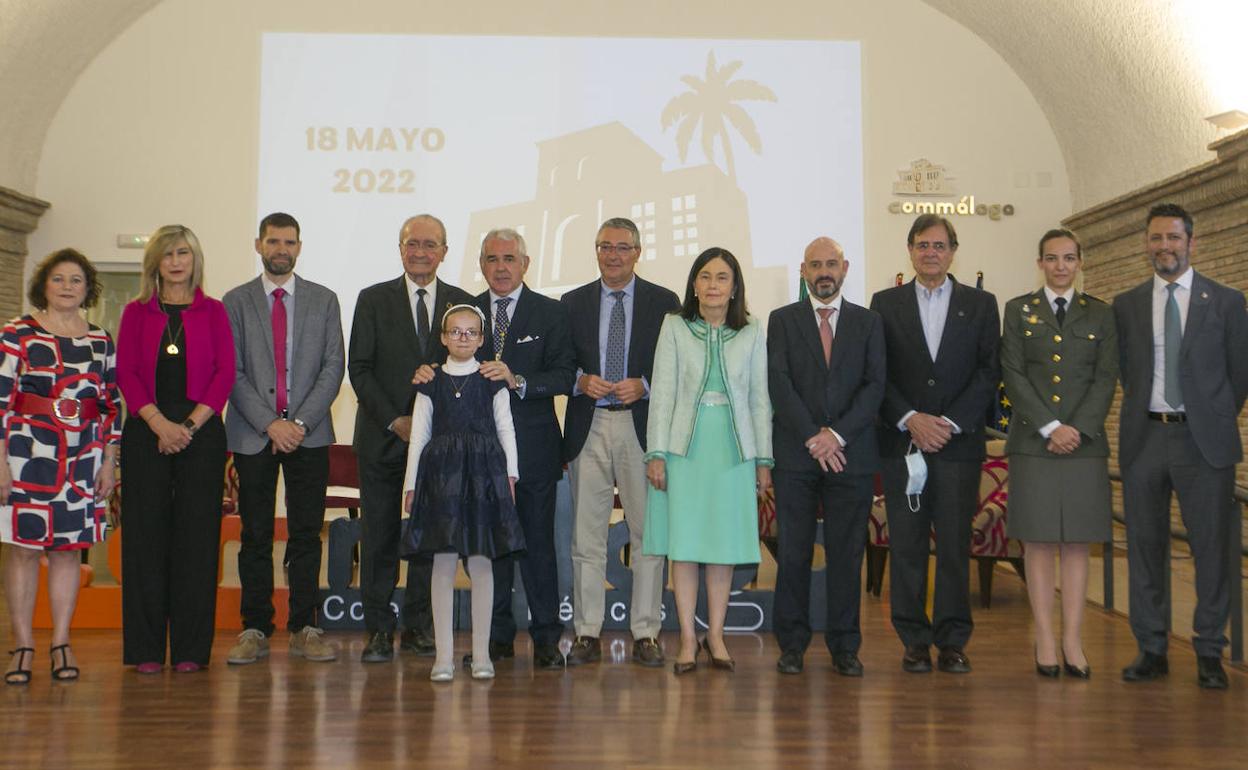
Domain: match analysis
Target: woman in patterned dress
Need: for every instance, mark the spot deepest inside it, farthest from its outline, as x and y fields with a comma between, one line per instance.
x=58, y=450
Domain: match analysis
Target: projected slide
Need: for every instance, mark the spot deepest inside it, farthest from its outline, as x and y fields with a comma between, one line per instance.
x=755, y=146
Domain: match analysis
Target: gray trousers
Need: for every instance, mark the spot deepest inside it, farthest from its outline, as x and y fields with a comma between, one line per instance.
x=1169, y=462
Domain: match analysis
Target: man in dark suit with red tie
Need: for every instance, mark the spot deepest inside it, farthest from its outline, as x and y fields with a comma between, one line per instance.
x=941, y=337
x=826, y=373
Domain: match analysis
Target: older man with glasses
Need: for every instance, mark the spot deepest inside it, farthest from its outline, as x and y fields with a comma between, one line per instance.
x=615, y=326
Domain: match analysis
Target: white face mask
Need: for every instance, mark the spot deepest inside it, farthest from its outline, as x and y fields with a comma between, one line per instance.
x=916, y=466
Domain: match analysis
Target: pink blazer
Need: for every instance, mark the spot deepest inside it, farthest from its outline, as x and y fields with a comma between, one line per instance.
x=209, y=352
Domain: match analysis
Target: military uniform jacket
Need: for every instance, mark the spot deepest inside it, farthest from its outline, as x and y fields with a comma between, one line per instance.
x=1065, y=373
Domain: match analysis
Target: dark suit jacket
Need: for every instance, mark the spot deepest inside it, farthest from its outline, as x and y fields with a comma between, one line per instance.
x=808, y=394
x=384, y=354
x=960, y=384
x=651, y=303
x=1213, y=367
x=539, y=348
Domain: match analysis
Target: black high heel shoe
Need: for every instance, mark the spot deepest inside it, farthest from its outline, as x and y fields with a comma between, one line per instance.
x=21, y=674
x=63, y=672
x=1051, y=672
x=724, y=664
x=1084, y=672
x=679, y=668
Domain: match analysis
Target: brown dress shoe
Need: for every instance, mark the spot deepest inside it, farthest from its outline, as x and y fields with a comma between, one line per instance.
x=648, y=653
x=585, y=649
x=953, y=661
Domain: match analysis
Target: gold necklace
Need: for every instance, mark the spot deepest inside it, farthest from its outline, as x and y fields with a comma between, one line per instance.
x=172, y=348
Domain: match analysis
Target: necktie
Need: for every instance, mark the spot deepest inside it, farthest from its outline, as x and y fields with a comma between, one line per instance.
x=1174, y=339
x=501, y=324
x=825, y=332
x=1061, y=310
x=614, y=371
x=422, y=318
x=279, y=347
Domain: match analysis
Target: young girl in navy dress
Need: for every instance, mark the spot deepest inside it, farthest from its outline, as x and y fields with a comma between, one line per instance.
x=461, y=481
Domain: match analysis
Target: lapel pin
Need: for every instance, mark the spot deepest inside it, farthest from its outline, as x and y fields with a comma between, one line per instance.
x=961, y=314
x=1204, y=295
x=1033, y=319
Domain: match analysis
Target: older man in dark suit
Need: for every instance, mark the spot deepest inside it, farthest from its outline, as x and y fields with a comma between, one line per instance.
x=615, y=325
x=941, y=337
x=530, y=348
x=392, y=336
x=1184, y=362
x=289, y=359
x=826, y=378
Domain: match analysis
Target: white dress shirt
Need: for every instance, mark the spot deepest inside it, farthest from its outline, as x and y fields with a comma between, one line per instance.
x=431, y=298
x=933, y=312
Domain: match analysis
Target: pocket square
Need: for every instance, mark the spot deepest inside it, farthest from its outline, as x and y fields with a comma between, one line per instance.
x=527, y=338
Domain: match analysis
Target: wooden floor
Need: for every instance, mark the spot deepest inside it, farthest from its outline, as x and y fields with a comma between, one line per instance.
x=287, y=712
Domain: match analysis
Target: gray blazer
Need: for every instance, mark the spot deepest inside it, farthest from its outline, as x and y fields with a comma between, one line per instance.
x=317, y=364
x=1213, y=368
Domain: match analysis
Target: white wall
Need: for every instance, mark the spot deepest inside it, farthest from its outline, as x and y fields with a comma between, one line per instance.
x=162, y=126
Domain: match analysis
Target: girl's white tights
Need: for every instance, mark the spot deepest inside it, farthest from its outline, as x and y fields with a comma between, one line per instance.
x=442, y=596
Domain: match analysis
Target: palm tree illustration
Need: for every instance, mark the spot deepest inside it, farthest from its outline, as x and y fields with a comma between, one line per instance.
x=711, y=103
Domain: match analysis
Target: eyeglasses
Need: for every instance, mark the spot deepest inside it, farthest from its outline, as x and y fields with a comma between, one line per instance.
x=421, y=245
x=463, y=334
x=607, y=249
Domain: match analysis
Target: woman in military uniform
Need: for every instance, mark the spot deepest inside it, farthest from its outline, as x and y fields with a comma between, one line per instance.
x=1059, y=360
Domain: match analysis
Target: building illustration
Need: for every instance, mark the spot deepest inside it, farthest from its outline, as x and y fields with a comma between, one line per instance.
x=587, y=176
x=923, y=178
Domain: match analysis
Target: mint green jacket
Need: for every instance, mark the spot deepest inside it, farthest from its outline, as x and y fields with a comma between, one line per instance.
x=680, y=373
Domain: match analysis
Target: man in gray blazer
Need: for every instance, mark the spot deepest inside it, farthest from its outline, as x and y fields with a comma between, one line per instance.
x=1184, y=376
x=289, y=357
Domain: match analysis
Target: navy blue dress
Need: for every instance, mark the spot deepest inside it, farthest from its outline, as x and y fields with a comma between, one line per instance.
x=462, y=501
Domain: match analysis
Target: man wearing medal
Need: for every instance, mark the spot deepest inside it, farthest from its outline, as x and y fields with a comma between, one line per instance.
x=529, y=346
x=289, y=358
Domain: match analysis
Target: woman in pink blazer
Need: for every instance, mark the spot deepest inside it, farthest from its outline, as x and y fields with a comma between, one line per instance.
x=175, y=368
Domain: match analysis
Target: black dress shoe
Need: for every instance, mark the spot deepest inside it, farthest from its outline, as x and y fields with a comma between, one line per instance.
x=1209, y=673
x=790, y=662
x=1049, y=672
x=380, y=648
x=585, y=649
x=498, y=651
x=648, y=653
x=1078, y=672
x=917, y=660
x=1146, y=667
x=418, y=642
x=548, y=657
x=847, y=664
x=953, y=661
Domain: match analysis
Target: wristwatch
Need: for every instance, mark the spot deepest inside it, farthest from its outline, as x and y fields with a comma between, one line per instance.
x=190, y=425
x=302, y=425
x=520, y=381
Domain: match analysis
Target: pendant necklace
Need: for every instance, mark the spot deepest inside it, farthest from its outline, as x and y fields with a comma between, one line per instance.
x=172, y=348
x=460, y=387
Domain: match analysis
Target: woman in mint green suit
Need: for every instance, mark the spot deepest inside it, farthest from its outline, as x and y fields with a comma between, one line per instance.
x=709, y=442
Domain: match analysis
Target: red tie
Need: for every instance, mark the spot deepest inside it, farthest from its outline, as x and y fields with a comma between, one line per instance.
x=825, y=331
x=279, y=347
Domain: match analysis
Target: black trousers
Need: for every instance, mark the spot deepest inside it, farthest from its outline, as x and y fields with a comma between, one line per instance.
x=535, y=504
x=171, y=532
x=1170, y=463
x=947, y=505
x=846, y=500
x=381, y=518
x=306, y=471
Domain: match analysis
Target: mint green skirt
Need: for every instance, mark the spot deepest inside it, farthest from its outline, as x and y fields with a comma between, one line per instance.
x=709, y=513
